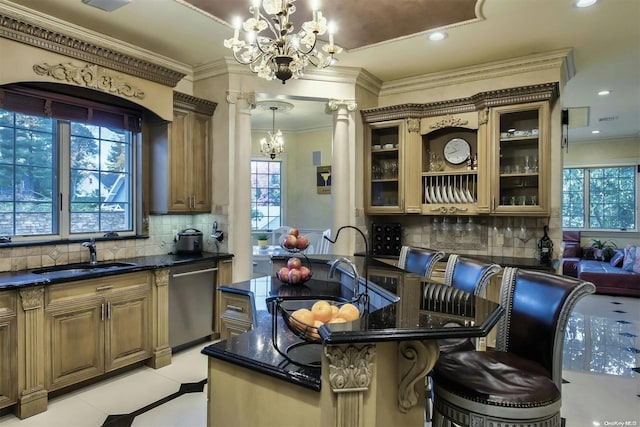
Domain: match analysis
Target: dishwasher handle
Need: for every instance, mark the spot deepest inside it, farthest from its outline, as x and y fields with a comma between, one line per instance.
x=190, y=273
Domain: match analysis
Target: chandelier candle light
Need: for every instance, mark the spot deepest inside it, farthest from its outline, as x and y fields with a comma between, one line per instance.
x=286, y=54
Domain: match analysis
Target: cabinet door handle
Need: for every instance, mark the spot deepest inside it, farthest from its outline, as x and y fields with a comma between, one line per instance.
x=235, y=308
x=102, y=312
x=109, y=310
x=227, y=261
x=104, y=288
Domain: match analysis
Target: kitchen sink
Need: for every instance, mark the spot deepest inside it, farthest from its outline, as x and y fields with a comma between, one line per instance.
x=84, y=268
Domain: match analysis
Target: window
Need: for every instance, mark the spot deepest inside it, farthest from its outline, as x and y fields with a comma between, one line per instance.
x=266, y=210
x=60, y=177
x=599, y=198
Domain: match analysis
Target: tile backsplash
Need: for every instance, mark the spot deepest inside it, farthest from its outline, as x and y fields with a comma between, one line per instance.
x=162, y=229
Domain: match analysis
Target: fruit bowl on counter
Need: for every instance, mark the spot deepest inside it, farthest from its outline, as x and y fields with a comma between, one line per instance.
x=294, y=241
x=304, y=317
x=294, y=273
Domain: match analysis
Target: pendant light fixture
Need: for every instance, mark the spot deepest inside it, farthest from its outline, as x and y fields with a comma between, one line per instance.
x=273, y=145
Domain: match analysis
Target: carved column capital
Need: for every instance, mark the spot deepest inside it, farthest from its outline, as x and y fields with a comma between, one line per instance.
x=161, y=277
x=415, y=360
x=449, y=121
x=234, y=96
x=337, y=104
x=31, y=298
x=413, y=125
x=350, y=367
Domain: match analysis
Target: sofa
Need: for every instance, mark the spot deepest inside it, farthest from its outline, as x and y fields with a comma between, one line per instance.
x=619, y=275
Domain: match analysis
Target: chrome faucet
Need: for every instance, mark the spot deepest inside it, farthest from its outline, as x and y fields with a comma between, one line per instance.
x=356, y=276
x=91, y=244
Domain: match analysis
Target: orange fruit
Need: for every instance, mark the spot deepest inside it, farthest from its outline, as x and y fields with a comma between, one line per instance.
x=337, y=320
x=313, y=332
x=349, y=312
x=303, y=317
x=334, y=311
x=321, y=311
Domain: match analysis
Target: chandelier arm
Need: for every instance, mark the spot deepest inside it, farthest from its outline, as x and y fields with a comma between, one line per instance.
x=242, y=61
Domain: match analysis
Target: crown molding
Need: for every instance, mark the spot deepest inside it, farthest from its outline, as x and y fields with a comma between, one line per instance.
x=561, y=59
x=531, y=93
x=24, y=26
x=192, y=103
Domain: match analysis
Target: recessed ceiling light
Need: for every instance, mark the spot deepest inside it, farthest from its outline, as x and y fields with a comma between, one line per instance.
x=584, y=3
x=107, y=5
x=595, y=132
x=604, y=92
x=437, y=36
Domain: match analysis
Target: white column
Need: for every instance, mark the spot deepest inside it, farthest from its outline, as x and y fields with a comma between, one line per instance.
x=240, y=186
x=342, y=165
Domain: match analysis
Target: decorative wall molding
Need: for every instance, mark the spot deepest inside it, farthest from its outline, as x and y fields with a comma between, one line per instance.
x=91, y=76
x=449, y=121
x=32, y=32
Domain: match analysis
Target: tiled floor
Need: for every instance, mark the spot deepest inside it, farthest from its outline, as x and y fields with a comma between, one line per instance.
x=603, y=342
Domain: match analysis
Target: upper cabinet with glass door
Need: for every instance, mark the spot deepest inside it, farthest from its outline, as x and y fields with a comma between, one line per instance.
x=383, y=167
x=520, y=178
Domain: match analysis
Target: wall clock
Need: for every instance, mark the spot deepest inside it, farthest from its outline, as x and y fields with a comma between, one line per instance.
x=457, y=151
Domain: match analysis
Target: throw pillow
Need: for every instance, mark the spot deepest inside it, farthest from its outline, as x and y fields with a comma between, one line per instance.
x=617, y=259
x=629, y=258
x=636, y=264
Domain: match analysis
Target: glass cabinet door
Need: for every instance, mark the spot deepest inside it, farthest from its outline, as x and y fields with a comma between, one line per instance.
x=521, y=150
x=384, y=167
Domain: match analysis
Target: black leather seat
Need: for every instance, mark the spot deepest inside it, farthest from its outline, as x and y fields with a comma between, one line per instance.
x=419, y=260
x=520, y=383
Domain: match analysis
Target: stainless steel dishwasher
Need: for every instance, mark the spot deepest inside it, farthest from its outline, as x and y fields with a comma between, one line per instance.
x=191, y=303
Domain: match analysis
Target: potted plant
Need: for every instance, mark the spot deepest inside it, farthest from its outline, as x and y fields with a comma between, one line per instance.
x=603, y=249
x=263, y=240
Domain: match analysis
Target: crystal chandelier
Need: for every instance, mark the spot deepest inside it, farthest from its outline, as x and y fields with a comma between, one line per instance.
x=273, y=145
x=285, y=54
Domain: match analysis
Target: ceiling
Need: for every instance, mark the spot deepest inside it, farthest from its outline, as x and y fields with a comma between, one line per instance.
x=387, y=38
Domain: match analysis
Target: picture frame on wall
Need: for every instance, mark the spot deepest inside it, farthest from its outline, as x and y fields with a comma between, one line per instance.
x=323, y=179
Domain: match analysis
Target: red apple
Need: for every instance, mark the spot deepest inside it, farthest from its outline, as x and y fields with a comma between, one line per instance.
x=289, y=242
x=283, y=274
x=302, y=243
x=294, y=232
x=294, y=276
x=305, y=274
x=294, y=263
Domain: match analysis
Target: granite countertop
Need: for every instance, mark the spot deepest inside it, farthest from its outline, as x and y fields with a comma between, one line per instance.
x=503, y=261
x=429, y=318
x=19, y=279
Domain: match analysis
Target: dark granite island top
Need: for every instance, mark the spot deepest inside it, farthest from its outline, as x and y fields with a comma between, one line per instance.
x=444, y=313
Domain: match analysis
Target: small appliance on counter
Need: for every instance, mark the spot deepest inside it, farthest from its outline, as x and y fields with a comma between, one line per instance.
x=189, y=241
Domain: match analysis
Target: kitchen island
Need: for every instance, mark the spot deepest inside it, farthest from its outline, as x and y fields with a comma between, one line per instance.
x=366, y=372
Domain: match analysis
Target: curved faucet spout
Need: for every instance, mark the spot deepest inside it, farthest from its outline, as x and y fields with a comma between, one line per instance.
x=91, y=244
x=356, y=277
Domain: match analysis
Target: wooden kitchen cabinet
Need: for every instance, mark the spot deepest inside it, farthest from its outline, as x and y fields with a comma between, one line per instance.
x=521, y=155
x=8, y=349
x=95, y=326
x=391, y=183
x=236, y=315
x=181, y=158
x=451, y=188
x=224, y=276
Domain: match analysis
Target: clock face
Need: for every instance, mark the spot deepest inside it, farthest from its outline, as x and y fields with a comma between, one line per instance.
x=457, y=151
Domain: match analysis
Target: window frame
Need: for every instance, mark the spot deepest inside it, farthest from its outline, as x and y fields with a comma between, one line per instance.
x=282, y=193
x=29, y=101
x=587, y=197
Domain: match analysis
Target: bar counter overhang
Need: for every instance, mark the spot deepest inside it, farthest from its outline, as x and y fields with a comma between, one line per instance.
x=371, y=371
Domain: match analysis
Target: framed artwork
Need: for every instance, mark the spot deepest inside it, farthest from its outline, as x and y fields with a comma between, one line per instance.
x=323, y=179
